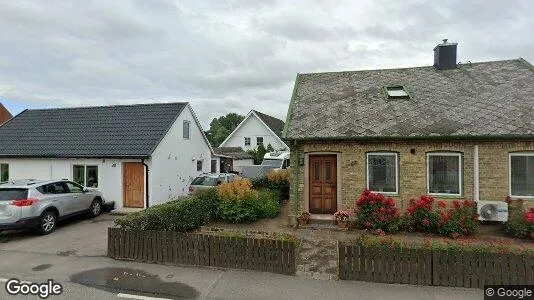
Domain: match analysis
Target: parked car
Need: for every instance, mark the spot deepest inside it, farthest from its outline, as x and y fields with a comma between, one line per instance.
x=276, y=160
x=39, y=205
x=210, y=181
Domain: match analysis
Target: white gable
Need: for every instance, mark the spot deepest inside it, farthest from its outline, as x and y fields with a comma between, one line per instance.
x=252, y=127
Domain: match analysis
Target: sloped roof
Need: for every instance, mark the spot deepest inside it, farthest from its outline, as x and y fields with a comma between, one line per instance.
x=276, y=125
x=234, y=152
x=5, y=115
x=103, y=131
x=487, y=99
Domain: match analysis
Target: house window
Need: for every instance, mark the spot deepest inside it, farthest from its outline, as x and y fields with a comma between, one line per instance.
x=382, y=172
x=444, y=173
x=396, y=92
x=199, y=165
x=187, y=129
x=85, y=175
x=213, y=166
x=247, y=141
x=522, y=174
x=259, y=141
x=4, y=172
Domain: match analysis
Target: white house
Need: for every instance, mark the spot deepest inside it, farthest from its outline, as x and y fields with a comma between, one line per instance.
x=137, y=155
x=257, y=128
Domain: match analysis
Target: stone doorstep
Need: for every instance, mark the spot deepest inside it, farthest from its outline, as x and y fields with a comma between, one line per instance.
x=125, y=211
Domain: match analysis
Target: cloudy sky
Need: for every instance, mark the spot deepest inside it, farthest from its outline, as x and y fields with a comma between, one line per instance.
x=231, y=56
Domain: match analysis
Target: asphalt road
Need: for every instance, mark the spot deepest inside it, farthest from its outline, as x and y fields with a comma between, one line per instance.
x=74, y=256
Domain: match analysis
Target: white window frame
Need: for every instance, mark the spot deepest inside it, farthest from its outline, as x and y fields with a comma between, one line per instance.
x=249, y=141
x=510, y=173
x=85, y=174
x=396, y=192
x=460, y=169
x=188, y=129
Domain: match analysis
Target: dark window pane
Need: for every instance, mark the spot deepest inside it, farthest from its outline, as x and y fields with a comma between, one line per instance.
x=522, y=179
x=78, y=174
x=13, y=194
x=186, y=129
x=92, y=176
x=444, y=174
x=73, y=188
x=199, y=165
x=247, y=141
x=4, y=172
x=259, y=141
x=328, y=171
x=382, y=173
x=317, y=171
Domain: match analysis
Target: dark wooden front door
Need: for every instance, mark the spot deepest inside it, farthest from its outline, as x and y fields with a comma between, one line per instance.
x=133, y=175
x=323, y=184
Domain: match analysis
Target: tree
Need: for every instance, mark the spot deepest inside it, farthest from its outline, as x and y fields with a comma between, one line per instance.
x=258, y=154
x=220, y=128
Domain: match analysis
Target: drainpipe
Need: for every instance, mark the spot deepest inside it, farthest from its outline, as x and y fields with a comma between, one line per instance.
x=146, y=181
x=475, y=174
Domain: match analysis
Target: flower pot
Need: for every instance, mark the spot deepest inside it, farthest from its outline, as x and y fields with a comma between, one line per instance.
x=342, y=224
x=303, y=222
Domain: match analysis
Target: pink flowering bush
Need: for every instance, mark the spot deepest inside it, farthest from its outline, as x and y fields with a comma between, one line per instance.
x=374, y=211
x=458, y=220
x=421, y=213
x=520, y=221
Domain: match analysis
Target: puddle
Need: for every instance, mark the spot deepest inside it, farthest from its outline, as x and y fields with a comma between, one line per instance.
x=133, y=280
x=41, y=267
x=67, y=253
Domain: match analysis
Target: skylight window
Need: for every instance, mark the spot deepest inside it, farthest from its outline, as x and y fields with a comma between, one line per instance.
x=396, y=92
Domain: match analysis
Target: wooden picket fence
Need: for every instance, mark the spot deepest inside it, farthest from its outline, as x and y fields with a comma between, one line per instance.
x=434, y=267
x=168, y=247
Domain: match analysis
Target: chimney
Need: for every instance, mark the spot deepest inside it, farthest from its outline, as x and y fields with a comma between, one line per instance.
x=445, y=55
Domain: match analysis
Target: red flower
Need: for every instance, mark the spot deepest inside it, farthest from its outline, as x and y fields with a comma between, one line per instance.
x=425, y=222
x=529, y=217
x=442, y=204
x=367, y=224
x=456, y=204
x=410, y=210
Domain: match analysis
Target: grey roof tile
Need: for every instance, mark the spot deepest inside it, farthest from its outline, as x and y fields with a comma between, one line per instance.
x=276, y=125
x=479, y=99
x=104, y=131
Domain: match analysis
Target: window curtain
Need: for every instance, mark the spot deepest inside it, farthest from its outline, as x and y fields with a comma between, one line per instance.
x=444, y=174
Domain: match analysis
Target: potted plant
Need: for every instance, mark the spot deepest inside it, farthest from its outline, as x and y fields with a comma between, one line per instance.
x=303, y=218
x=342, y=218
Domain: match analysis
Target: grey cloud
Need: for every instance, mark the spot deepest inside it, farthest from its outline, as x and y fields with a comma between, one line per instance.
x=237, y=55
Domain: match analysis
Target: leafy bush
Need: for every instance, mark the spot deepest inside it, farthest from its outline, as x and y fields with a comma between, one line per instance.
x=374, y=211
x=517, y=225
x=239, y=203
x=460, y=219
x=182, y=214
x=422, y=216
x=275, y=180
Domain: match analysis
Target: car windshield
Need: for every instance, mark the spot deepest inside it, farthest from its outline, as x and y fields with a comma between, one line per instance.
x=205, y=180
x=272, y=162
x=13, y=194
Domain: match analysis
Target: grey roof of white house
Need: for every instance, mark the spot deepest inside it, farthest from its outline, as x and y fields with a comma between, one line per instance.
x=103, y=131
x=487, y=99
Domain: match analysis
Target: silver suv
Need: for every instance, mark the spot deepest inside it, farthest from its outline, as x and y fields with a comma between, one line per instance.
x=40, y=204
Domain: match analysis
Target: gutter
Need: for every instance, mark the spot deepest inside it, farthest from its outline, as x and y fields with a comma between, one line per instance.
x=147, y=204
x=476, y=190
x=415, y=138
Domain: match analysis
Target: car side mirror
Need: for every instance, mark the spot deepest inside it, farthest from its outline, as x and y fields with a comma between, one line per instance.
x=85, y=190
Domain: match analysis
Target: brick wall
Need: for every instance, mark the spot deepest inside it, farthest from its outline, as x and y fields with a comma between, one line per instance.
x=493, y=167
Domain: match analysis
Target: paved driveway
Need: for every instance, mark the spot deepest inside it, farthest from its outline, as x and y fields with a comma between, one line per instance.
x=77, y=236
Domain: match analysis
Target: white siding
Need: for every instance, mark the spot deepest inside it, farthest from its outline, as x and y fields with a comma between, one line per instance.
x=109, y=172
x=174, y=162
x=252, y=127
x=238, y=163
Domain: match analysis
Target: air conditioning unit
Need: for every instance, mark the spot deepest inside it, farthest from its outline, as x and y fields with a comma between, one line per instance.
x=492, y=211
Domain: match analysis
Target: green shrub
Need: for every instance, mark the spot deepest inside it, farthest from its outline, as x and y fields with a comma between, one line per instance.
x=516, y=225
x=460, y=219
x=275, y=180
x=251, y=207
x=182, y=214
x=268, y=205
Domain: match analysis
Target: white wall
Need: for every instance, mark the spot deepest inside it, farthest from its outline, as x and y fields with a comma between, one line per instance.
x=252, y=127
x=174, y=162
x=238, y=163
x=109, y=172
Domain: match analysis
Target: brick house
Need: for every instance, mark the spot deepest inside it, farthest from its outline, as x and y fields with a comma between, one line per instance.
x=450, y=130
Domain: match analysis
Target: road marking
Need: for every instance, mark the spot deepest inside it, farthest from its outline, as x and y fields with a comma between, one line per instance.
x=6, y=280
x=140, y=297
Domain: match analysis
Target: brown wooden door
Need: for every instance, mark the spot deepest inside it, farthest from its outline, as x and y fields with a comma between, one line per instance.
x=323, y=184
x=133, y=175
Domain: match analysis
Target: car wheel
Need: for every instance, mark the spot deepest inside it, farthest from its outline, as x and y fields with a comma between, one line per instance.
x=95, y=209
x=47, y=222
